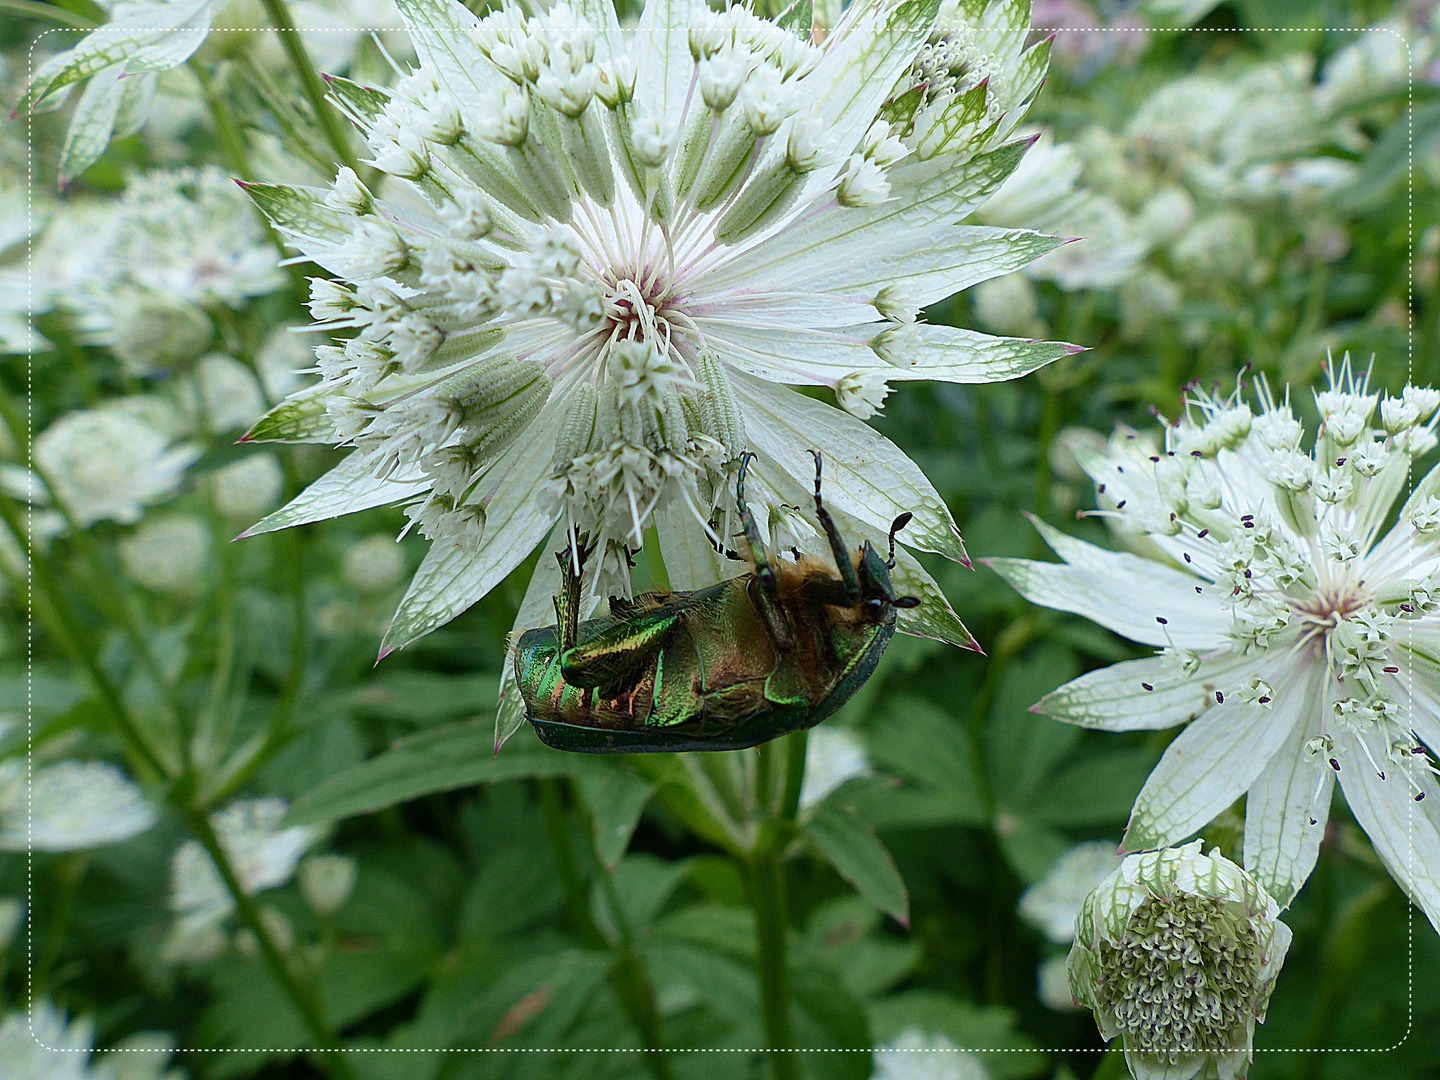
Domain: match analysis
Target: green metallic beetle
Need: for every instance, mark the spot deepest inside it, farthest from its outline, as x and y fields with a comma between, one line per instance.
x=721, y=668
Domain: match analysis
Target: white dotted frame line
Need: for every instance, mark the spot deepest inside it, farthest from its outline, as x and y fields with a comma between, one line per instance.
x=30, y=583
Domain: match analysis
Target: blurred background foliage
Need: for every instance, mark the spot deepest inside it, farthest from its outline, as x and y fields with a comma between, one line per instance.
x=1249, y=197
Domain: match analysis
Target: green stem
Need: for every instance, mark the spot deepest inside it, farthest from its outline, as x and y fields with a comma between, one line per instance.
x=301, y=993
x=70, y=870
x=75, y=639
x=30, y=9
x=767, y=896
x=310, y=83
x=567, y=865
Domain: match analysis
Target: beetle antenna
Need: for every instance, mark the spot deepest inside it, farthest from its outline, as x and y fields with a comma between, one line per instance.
x=745, y=459
x=843, y=562
x=895, y=526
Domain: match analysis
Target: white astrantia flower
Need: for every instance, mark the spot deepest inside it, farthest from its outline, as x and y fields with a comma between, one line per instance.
x=248, y=487
x=616, y=252
x=1051, y=904
x=832, y=756
x=69, y=806
x=42, y=1045
x=374, y=564
x=167, y=553
x=177, y=243
x=264, y=856
x=919, y=1055
x=1297, y=639
x=106, y=464
x=1177, y=952
x=1052, y=984
x=326, y=882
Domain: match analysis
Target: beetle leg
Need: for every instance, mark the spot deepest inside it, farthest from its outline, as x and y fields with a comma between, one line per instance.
x=758, y=555
x=843, y=562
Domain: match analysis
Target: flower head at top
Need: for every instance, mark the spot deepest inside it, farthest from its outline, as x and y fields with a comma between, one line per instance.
x=1296, y=632
x=1177, y=952
x=618, y=252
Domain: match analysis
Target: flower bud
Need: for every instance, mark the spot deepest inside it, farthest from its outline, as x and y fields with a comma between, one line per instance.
x=326, y=882
x=1177, y=952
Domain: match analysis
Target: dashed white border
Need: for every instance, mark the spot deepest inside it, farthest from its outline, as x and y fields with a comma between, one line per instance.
x=29, y=640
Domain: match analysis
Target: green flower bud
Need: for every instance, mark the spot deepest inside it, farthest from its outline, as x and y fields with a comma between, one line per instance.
x=1176, y=953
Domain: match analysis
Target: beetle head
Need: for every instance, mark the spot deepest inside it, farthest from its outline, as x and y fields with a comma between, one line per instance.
x=877, y=591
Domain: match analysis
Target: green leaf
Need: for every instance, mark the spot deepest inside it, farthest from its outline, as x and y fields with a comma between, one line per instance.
x=92, y=123
x=799, y=16
x=424, y=697
x=1023, y=746
x=1029, y=847
x=853, y=849
x=1093, y=790
x=921, y=743
x=616, y=799
x=441, y=759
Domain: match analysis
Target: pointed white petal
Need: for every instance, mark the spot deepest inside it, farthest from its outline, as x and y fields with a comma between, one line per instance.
x=451, y=579
x=665, y=68
x=345, y=489
x=866, y=475
x=1116, y=699
x=440, y=33
x=820, y=251
x=951, y=354
x=794, y=355
x=691, y=561
x=1287, y=806
x=1406, y=834
x=1120, y=591
x=1213, y=762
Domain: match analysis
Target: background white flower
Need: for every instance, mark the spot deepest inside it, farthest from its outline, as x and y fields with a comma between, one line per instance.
x=69, y=806
x=105, y=464
x=1297, y=639
x=832, y=756
x=1051, y=904
x=167, y=553
x=918, y=1055
x=619, y=249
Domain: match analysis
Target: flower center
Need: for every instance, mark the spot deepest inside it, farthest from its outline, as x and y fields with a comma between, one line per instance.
x=640, y=310
x=1324, y=611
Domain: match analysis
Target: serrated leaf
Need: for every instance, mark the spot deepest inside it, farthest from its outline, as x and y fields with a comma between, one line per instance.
x=855, y=851
x=441, y=759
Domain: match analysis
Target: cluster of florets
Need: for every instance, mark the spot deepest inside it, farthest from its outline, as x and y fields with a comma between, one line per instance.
x=1289, y=539
x=176, y=244
x=1177, y=953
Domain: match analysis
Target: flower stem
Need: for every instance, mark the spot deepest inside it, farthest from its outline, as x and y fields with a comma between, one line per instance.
x=772, y=918
x=310, y=84
x=766, y=872
x=70, y=870
x=302, y=993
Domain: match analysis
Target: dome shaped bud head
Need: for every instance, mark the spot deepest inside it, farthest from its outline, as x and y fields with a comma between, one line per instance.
x=374, y=565
x=103, y=465
x=153, y=333
x=862, y=393
x=615, y=80
x=326, y=882
x=650, y=140
x=167, y=554
x=766, y=101
x=1176, y=953
x=505, y=116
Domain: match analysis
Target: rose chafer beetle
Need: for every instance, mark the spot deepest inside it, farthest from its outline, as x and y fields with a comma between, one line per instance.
x=721, y=668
